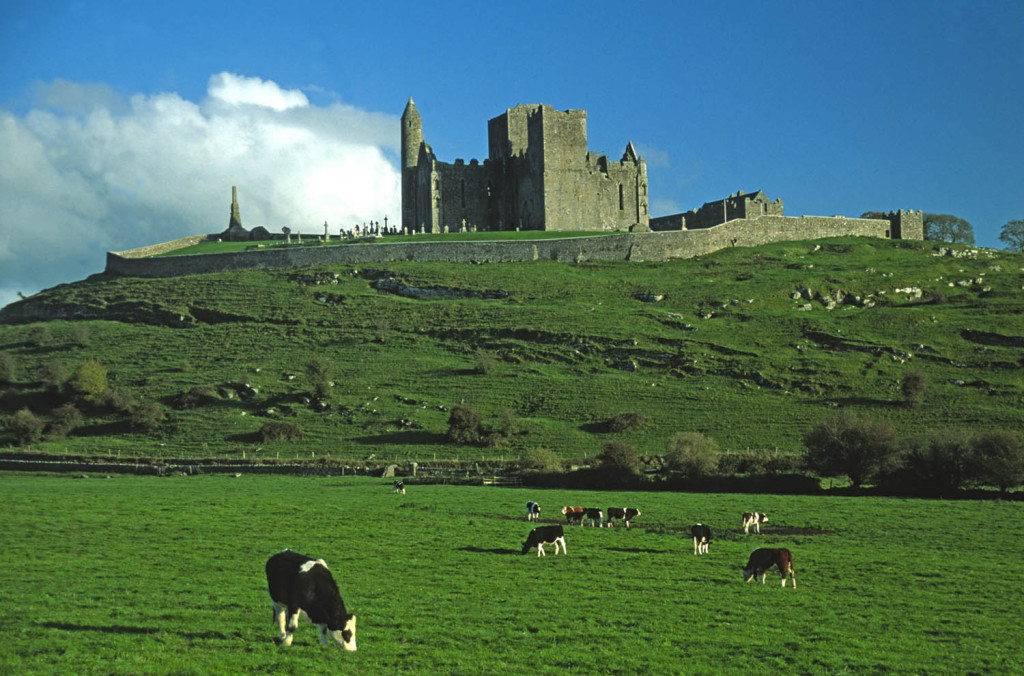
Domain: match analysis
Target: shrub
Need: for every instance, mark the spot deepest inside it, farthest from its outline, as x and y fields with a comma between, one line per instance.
x=80, y=335
x=194, y=397
x=147, y=417
x=691, y=454
x=847, y=445
x=626, y=422
x=914, y=385
x=54, y=374
x=997, y=459
x=484, y=363
x=90, y=380
x=319, y=371
x=279, y=431
x=40, y=335
x=117, y=400
x=508, y=423
x=931, y=465
x=465, y=426
x=542, y=459
x=618, y=455
x=8, y=368
x=26, y=426
x=64, y=419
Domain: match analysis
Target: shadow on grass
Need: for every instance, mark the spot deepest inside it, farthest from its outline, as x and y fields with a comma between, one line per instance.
x=637, y=550
x=112, y=629
x=482, y=550
x=408, y=437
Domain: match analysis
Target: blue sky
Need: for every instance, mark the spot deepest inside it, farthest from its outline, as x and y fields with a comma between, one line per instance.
x=127, y=123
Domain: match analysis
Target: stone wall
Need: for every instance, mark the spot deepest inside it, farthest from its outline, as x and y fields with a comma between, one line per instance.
x=650, y=246
x=163, y=247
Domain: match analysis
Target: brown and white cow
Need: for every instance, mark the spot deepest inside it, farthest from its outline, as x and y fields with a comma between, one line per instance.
x=754, y=519
x=302, y=584
x=573, y=514
x=624, y=513
x=701, y=538
x=763, y=560
x=545, y=535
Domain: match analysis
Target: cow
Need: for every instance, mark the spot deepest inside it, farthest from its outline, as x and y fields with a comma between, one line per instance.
x=701, y=538
x=763, y=560
x=754, y=519
x=594, y=515
x=545, y=535
x=302, y=584
x=400, y=487
x=532, y=511
x=573, y=514
x=624, y=513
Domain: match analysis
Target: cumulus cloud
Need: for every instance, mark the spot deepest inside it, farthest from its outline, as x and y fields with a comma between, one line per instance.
x=87, y=171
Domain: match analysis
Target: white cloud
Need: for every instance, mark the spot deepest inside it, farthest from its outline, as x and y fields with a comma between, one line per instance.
x=88, y=172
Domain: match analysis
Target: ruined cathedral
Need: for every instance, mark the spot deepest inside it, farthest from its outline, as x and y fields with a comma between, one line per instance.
x=539, y=175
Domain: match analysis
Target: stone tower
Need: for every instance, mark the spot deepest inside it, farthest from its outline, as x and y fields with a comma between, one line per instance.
x=412, y=138
x=236, y=218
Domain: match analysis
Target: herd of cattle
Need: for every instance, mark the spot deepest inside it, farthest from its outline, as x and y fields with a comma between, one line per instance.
x=760, y=562
x=301, y=585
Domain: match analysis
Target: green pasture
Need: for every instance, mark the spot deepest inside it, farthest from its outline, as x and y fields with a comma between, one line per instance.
x=151, y=575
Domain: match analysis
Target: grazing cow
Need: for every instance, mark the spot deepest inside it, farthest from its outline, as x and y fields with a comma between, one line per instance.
x=754, y=519
x=302, y=584
x=545, y=535
x=763, y=560
x=701, y=538
x=573, y=514
x=400, y=487
x=594, y=515
x=624, y=513
x=532, y=511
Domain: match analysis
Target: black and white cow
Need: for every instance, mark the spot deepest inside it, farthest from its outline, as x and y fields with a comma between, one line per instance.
x=545, y=535
x=754, y=519
x=594, y=515
x=624, y=513
x=302, y=584
x=701, y=538
x=400, y=487
x=532, y=511
x=763, y=560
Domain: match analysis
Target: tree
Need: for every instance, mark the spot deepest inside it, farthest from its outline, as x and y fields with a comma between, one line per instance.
x=948, y=228
x=26, y=426
x=320, y=371
x=90, y=380
x=915, y=383
x=1012, y=235
x=484, y=363
x=998, y=459
x=465, y=426
x=626, y=422
x=147, y=417
x=847, y=445
x=64, y=419
x=938, y=464
x=692, y=454
x=8, y=368
x=618, y=455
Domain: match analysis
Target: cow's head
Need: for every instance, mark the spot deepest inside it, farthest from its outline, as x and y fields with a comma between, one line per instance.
x=346, y=636
x=526, y=546
x=749, y=574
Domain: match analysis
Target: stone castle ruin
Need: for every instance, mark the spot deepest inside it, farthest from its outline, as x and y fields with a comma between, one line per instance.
x=539, y=175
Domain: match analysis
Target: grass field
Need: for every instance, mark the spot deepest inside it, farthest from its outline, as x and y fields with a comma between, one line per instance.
x=165, y=575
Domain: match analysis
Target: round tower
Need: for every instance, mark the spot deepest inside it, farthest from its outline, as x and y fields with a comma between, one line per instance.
x=412, y=137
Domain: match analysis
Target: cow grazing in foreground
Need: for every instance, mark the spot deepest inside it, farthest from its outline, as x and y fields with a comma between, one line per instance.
x=701, y=538
x=400, y=487
x=545, y=535
x=763, y=560
x=532, y=511
x=624, y=513
x=302, y=584
x=594, y=516
x=754, y=519
x=573, y=514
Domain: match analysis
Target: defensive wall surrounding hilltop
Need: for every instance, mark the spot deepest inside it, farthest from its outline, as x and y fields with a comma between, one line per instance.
x=647, y=246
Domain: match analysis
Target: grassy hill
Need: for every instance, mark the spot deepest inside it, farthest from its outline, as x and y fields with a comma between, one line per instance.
x=717, y=345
